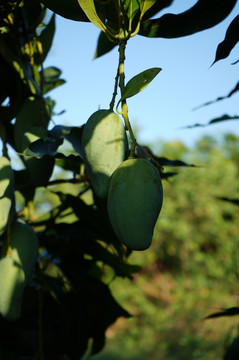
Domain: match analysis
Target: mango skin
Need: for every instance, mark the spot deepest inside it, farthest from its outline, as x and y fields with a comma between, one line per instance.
x=16, y=268
x=135, y=198
x=104, y=148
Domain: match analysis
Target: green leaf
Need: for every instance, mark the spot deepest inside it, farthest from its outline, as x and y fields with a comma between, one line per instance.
x=89, y=9
x=51, y=79
x=231, y=39
x=203, y=15
x=68, y=9
x=9, y=50
x=139, y=82
x=35, y=112
x=46, y=38
x=6, y=192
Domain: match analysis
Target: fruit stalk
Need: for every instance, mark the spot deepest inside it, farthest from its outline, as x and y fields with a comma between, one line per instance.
x=124, y=106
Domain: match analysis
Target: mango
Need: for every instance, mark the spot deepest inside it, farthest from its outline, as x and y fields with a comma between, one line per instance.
x=135, y=198
x=104, y=147
x=16, y=268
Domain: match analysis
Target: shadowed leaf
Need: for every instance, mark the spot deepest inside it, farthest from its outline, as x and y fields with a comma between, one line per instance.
x=233, y=201
x=236, y=88
x=203, y=15
x=231, y=39
x=227, y=312
x=104, y=45
x=68, y=9
x=216, y=120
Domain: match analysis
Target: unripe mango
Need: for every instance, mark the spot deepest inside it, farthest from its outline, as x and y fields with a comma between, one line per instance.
x=16, y=269
x=135, y=197
x=104, y=148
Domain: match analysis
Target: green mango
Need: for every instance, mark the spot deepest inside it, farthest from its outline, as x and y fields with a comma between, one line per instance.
x=135, y=198
x=104, y=147
x=16, y=268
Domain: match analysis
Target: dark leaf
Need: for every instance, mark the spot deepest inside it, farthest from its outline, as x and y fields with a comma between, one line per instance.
x=203, y=15
x=156, y=7
x=69, y=9
x=233, y=201
x=220, y=119
x=44, y=147
x=104, y=45
x=46, y=38
x=166, y=162
x=227, y=312
x=231, y=39
x=236, y=88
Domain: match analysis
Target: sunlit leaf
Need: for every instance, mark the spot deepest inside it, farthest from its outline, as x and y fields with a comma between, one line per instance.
x=89, y=9
x=139, y=82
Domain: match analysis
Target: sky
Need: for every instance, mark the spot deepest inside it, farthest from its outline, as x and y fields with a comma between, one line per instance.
x=164, y=108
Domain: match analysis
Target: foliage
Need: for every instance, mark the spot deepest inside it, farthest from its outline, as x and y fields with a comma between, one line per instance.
x=67, y=305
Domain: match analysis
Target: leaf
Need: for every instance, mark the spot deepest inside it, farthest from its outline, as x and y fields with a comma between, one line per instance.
x=9, y=51
x=104, y=45
x=42, y=147
x=35, y=112
x=139, y=82
x=236, y=88
x=203, y=15
x=166, y=162
x=68, y=9
x=233, y=201
x=230, y=40
x=227, y=312
x=46, y=38
x=89, y=9
x=6, y=192
x=48, y=145
x=154, y=7
x=51, y=79
x=224, y=118
x=220, y=119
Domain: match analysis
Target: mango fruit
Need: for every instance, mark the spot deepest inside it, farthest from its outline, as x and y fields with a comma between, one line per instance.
x=104, y=147
x=16, y=266
x=135, y=198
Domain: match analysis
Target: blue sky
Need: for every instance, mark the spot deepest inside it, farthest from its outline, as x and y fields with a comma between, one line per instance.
x=161, y=110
